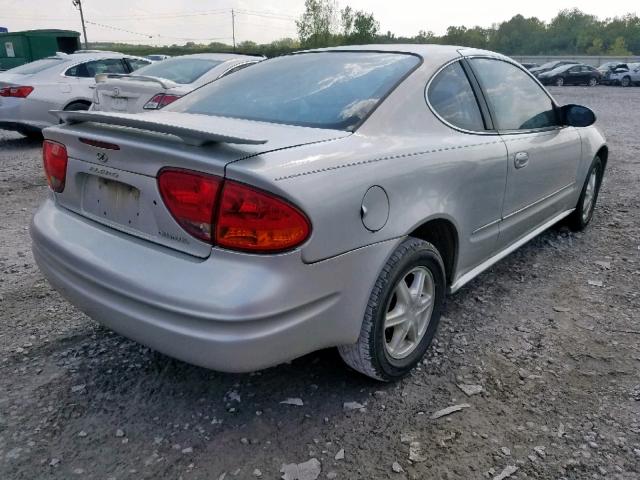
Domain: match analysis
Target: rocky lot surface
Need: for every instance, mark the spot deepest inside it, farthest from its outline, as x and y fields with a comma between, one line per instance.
x=541, y=356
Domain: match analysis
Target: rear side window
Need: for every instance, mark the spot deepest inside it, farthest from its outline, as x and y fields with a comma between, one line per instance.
x=136, y=63
x=451, y=96
x=180, y=70
x=93, y=68
x=516, y=100
x=334, y=90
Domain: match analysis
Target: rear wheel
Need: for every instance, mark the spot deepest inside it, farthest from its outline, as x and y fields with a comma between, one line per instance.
x=559, y=82
x=402, y=314
x=593, y=82
x=31, y=134
x=75, y=106
x=626, y=81
x=582, y=215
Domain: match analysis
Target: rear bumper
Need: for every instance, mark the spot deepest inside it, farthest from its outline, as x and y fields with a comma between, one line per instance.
x=25, y=114
x=231, y=312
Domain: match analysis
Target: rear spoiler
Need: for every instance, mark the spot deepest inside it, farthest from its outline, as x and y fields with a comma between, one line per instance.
x=103, y=77
x=191, y=128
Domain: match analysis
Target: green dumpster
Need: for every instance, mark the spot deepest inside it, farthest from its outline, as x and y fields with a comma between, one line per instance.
x=17, y=48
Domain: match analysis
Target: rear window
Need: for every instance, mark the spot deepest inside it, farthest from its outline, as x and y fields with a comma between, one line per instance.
x=325, y=89
x=179, y=70
x=35, y=67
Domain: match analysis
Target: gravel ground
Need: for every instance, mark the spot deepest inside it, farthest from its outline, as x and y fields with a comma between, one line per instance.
x=555, y=351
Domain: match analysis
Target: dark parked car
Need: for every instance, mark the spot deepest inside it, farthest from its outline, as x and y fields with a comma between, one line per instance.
x=571, y=75
x=547, y=67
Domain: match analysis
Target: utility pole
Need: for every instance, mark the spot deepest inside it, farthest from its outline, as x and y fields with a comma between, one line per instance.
x=78, y=5
x=233, y=28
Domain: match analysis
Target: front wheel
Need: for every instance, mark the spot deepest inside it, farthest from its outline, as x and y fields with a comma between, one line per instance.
x=402, y=313
x=593, y=82
x=582, y=215
x=559, y=82
x=625, y=82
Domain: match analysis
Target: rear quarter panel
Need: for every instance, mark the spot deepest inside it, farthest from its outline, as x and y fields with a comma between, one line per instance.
x=427, y=169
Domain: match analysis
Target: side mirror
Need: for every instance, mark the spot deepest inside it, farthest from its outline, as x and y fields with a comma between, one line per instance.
x=577, y=116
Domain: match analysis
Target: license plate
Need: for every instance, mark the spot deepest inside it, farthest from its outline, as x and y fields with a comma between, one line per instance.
x=119, y=103
x=111, y=201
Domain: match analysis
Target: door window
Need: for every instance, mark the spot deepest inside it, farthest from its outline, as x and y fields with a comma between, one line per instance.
x=516, y=100
x=451, y=96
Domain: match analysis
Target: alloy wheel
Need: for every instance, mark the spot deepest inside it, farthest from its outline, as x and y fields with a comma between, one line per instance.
x=409, y=313
x=589, y=196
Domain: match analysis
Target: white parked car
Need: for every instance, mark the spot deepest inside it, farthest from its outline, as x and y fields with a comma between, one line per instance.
x=626, y=76
x=161, y=83
x=61, y=82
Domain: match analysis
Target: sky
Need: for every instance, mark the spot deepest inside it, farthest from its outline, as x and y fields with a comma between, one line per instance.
x=165, y=22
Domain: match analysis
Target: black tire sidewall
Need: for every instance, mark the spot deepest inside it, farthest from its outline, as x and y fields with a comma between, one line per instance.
x=596, y=164
x=73, y=107
x=428, y=257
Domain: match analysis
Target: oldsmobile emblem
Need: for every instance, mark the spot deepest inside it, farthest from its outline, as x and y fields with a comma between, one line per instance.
x=116, y=92
x=102, y=157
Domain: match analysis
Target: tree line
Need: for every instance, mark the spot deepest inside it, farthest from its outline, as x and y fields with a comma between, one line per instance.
x=324, y=24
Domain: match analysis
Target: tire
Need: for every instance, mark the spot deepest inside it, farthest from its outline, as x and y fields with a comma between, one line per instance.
x=582, y=215
x=626, y=81
x=31, y=134
x=593, y=82
x=373, y=354
x=558, y=82
x=77, y=106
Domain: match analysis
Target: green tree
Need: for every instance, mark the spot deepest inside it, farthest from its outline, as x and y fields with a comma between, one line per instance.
x=317, y=25
x=358, y=27
x=619, y=48
x=519, y=35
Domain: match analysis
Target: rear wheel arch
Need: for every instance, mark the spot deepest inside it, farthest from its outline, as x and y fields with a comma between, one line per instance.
x=443, y=235
x=603, y=154
x=78, y=103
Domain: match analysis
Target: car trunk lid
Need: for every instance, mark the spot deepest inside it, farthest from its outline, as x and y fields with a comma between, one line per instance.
x=114, y=160
x=130, y=93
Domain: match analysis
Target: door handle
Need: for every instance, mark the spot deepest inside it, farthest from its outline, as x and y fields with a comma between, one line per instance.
x=521, y=159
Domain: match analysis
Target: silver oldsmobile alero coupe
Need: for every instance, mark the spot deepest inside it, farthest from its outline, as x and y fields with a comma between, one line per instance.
x=325, y=198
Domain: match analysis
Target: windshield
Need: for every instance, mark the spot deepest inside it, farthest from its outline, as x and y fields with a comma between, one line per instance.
x=180, y=70
x=35, y=67
x=334, y=89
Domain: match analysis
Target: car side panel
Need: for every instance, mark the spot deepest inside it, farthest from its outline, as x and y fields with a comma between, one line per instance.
x=427, y=169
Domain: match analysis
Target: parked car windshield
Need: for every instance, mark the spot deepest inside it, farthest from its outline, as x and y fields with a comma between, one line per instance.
x=179, y=70
x=334, y=89
x=36, y=67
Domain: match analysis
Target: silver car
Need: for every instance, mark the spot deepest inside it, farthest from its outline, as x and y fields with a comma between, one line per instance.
x=325, y=198
x=60, y=82
x=627, y=76
x=157, y=85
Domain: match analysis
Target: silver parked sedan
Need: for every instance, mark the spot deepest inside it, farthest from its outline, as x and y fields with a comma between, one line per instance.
x=156, y=86
x=62, y=82
x=325, y=198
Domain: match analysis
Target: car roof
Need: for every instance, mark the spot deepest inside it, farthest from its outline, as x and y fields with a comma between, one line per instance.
x=89, y=55
x=220, y=56
x=424, y=50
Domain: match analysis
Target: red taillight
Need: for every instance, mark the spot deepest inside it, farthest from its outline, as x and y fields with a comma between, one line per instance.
x=55, y=158
x=160, y=100
x=17, y=92
x=243, y=218
x=191, y=198
x=253, y=220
